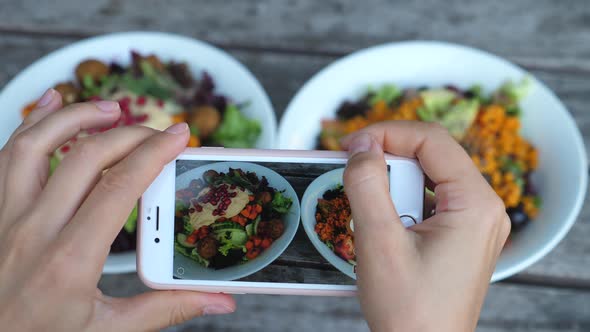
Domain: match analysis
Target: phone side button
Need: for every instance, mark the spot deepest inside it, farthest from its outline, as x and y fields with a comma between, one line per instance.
x=407, y=220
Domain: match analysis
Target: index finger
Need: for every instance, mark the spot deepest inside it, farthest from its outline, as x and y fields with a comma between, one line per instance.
x=440, y=156
x=108, y=205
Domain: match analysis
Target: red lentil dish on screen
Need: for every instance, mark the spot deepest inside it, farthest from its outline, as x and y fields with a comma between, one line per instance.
x=156, y=94
x=333, y=223
x=487, y=126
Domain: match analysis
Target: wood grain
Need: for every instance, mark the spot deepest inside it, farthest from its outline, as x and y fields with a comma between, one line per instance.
x=507, y=308
x=545, y=31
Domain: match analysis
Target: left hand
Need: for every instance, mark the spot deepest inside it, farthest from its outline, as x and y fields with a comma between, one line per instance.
x=55, y=233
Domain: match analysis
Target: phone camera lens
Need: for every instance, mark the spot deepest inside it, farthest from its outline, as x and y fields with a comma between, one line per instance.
x=148, y=218
x=157, y=240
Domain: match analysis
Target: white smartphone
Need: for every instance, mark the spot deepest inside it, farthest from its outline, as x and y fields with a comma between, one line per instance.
x=259, y=221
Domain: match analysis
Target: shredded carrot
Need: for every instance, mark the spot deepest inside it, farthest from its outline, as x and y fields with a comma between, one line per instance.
x=194, y=141
x=28, y=109
x=492, y=139
x=177, y=118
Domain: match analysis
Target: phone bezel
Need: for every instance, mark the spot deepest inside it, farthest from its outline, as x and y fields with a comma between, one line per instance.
x=155, y=266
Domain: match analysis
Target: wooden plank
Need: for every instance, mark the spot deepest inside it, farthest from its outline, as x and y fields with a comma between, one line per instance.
x=507, y=308
x=544, y=32
x=283, y=74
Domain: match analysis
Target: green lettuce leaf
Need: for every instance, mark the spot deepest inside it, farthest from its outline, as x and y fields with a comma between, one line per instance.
x=281, y=203
x=516, y=91
x=131, y=223
x=236, y=130
x=226, y=247
x=188, y=227
x=388, y=93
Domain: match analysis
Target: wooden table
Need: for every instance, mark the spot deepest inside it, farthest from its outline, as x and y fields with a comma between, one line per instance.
x=286, y=42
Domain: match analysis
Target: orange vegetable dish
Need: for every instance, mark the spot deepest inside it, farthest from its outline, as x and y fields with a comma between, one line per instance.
x=488, y=127
x=333, y=219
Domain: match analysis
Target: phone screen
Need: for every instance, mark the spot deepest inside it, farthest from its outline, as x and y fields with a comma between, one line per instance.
x=263, y=222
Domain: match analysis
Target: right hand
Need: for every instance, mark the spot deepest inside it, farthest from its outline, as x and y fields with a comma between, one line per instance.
x=434, y=275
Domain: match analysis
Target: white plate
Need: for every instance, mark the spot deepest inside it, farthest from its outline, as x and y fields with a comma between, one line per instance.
x=563, y=171
x=309, y=202
x=192, y=269
x=230, y=77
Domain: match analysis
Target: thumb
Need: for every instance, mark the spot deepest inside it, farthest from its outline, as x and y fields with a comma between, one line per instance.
x=366, y=183
x=160, y=309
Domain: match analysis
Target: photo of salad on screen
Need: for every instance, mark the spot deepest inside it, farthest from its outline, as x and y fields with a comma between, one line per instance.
x=227, y=218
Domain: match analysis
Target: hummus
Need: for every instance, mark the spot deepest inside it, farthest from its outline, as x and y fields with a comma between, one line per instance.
x=156, y=114
x=204, y=216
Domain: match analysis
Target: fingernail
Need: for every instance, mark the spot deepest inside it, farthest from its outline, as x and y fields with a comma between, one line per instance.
x=178, y=128
x=46, y=98
x=217, y=309
x=107, y=105
x=362, y=143
x=344, y=140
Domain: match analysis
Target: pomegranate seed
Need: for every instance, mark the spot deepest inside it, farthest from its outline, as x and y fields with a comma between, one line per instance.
x=191, y=210
x=233, y=186
x=160, y=103
x=141, y=118
x=125, y=112
x=124, y=102
x=198, y=208
x=233, y=194
x=64, y=149
x=140, y=100
x=222, y=213
x=227, y=201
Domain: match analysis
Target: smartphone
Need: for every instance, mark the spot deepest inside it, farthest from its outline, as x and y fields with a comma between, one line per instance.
x=259, y=221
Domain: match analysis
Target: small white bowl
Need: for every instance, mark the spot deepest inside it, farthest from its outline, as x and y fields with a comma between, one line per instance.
x=562, y=176
x=192, y=269
x=231, y=79
x=309, y=202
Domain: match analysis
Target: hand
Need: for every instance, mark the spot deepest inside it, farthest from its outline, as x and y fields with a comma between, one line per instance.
x=55, y=232
x=432, y=276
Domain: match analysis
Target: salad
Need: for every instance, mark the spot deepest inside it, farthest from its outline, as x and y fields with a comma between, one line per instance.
x=224, y=219
x=334, y=223
x=156, y=94
x=487, y=126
